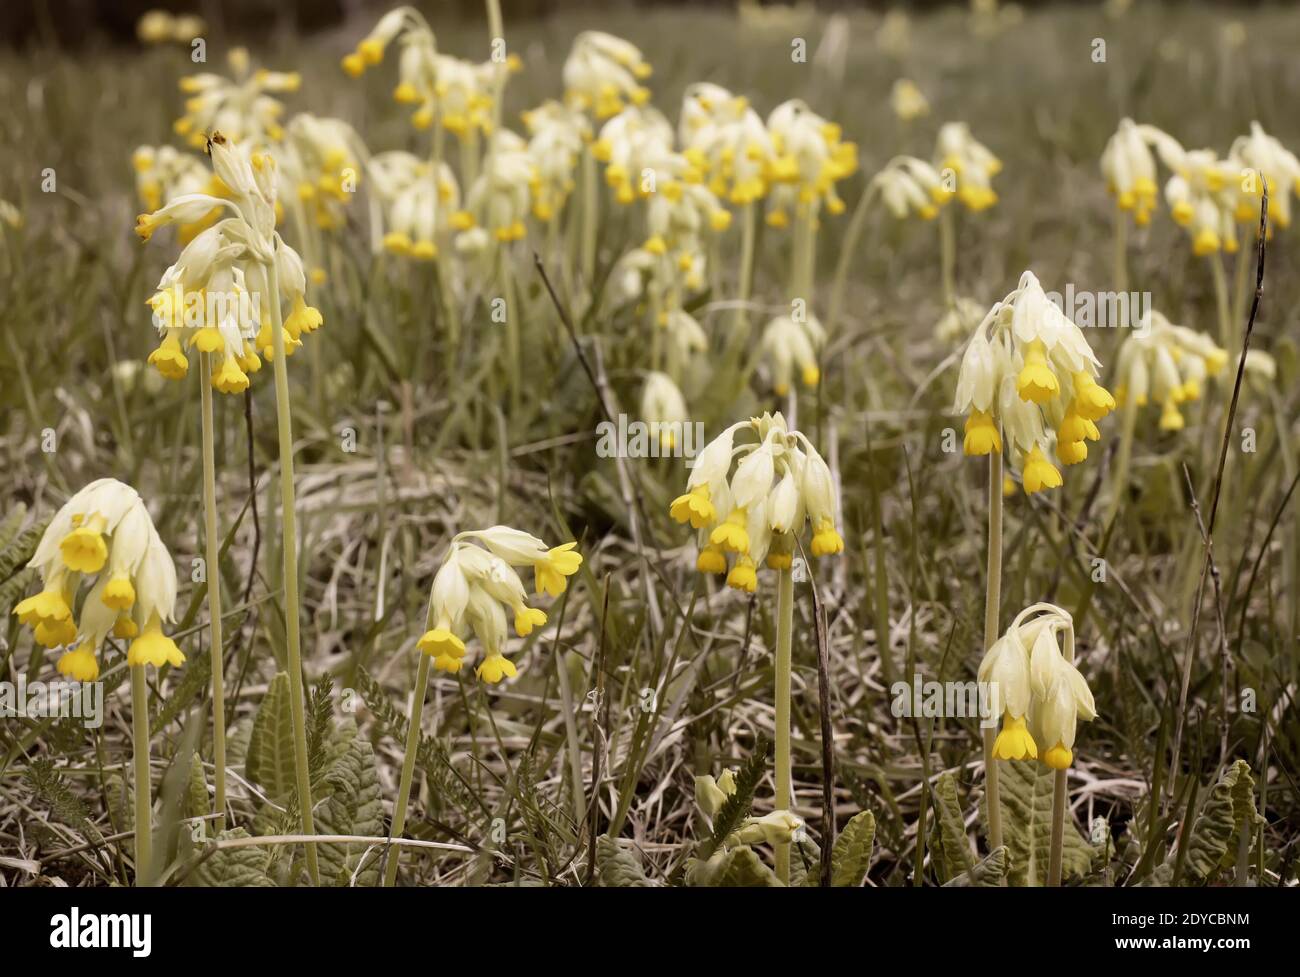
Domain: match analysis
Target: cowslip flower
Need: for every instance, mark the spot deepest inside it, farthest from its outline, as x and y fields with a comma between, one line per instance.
x=216, y=292
x=1036, y=689
x=812, y=159
x=475, y=587
x=162, y=173
x=499, y=200
x=415, y=206
x=790, y=342
x=907, y=101
x=663, y=408
x=754, y=514
x=1279, y=167
x=241, y=106
x=103, y=541
x=320, y=165
x=603, y=74
x=974, y=166
x=1130, y=171
x=632, y=144
x=1167, y=364
x=1028, y=373
x=911, y=187
x=728, y=143
x=557, y=135
x=161, y=27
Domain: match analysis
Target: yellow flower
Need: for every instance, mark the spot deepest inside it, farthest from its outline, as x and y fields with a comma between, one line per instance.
x=1014, y=741
x=494, y=668
x=1171, y=419
x=1059, y=757
x=732, y=535
x=982, y=434
x=826, y=541
x=711, y=560
x=168, y=359
x=124, y=628
x=1036, y=381
x=743, y=575
x=52, y=634
x=1071, y=452
x=154, y=648
x=303, y=318
x=1039, y=473
x=694, y=507
x=208, y=340
x=118, y=593
x=229, y=378
x=80, y=665
x=1091, y=400
x=48, y=605
x=84, y=549
x=528, y=618
x=549, y=573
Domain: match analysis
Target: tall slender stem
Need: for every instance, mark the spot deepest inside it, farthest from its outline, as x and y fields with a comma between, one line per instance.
x=590, y=201
x=1058, y=828
x=1119, y=484
x=745, y=286
x=289, y=545
x=1121, y=251
x=408, y=763
x=212, y=572
x=1227, y=339
x=784, y=655
x=143, y=783
x=948, y=256
x=992, y=602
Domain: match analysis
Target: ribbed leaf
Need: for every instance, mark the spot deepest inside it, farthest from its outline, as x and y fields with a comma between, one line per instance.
x=197, y=803
x=805, y=862
x=617, y=867
x=1026, y=790
x=954, y=853
x=353, y=807
x=235, y=867
x=270, y=748
x=1211, y=846
x=852, y=852
x=742, y=868
x=990, y=873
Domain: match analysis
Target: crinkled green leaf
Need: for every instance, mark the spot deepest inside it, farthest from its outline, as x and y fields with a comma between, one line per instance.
x=954, y=853
x=742, y=868
x=353, y=807
x=270, y=747
x=851, y=854
x=989, y=873
x=1212, y=845
x=618, y=867
x=235, y=867
x=1026, y=790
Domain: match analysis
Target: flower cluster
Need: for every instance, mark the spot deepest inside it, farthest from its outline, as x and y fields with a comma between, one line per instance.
x=104, y=541
x=320, y=166
x=907, y=101
x=1029, y=372
x=603, y=74
x=1167, y=363
x=1035, y=687
x=415, y=206
x=242, y=106
x=812, y=158
x=1130, y=172
x=162, y=27
x=755, y=514
x=972, y=163
x=162, y=173
x=216, y=294
x=557, y=135
x=791, y=341
x=911, y=187
x=475, y=587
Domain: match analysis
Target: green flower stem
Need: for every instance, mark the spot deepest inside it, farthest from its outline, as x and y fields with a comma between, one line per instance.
x=948, y=256
x=143, y=784
x=1121, y=250
x=1226, y=338
x=847, y=248
x=784, y=636
x=213, y=574
x=1058, y=829
x=1119, y=485
x=289, y=544
x=590, y=202
x=748, y=231
x=992, y=603
x=408, y=760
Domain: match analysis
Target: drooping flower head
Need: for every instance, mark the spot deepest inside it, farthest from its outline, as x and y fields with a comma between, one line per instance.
x=216, y=296
x=603, y=74
x=103, y=542
x=1130, y=171
x=812, y=157
x=242, y=106
x=753, y=514
x=1167, y=364
x=1028, y=373
x=1036, y=689
x=974, y=166
x=475, y=587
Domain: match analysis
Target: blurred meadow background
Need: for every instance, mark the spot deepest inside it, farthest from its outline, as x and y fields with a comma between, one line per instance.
x=651, y=675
